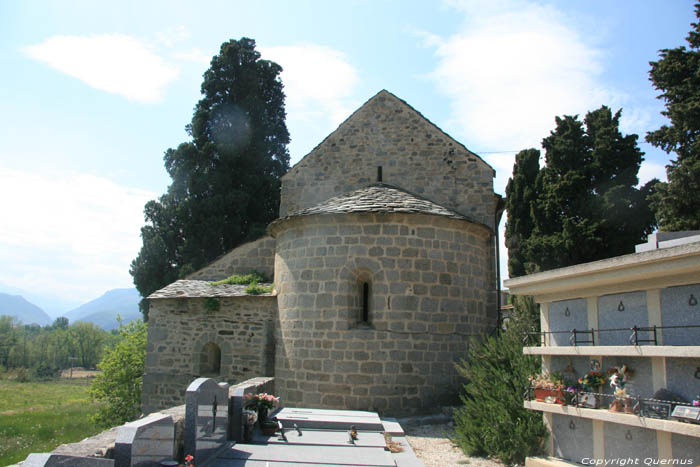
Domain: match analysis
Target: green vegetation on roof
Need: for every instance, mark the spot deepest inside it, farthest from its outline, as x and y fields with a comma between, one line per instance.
x=243, y=279
x=255, y=289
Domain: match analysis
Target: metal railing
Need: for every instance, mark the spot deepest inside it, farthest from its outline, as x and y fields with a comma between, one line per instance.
x=575, y=339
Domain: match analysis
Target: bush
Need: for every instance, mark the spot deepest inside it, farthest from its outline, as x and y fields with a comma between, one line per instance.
x=492, y=420
x=243, y=279
x=46, y=371
x=255, y=289
x=23, y=375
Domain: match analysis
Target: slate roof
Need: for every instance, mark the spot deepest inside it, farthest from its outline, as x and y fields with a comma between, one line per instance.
x=190, y=288
x=379, y=198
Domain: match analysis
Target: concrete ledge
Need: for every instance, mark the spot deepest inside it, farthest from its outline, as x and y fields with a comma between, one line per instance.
x=678, y=351
x=670, y=426
x=548, y=462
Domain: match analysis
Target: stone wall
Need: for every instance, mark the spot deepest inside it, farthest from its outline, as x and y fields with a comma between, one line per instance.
x=432, y=287
x=258, y=255
x=414, y=155
x=179, y=329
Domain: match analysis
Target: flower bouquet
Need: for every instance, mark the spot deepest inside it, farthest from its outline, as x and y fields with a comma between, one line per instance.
x=261, y=403
x=548, y=387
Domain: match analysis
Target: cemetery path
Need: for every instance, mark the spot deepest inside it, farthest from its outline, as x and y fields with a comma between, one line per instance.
x=432, y=445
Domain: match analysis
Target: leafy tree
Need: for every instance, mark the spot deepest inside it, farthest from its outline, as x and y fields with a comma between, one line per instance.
x=492, y=420
x=87, y=339
x=119, y=385
x=225, y=181
x=60, y=323
x=8, y=338
x=583, y=204
x=677, y=76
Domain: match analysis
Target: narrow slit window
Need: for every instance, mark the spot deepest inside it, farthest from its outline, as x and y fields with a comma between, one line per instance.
x=365, y=302
x=379, y=173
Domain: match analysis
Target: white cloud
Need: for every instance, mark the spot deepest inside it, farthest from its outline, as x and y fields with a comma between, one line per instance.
x=650, y=170
x=114, y=63
x=511, y=68
x=319, y=83
x=71, y=234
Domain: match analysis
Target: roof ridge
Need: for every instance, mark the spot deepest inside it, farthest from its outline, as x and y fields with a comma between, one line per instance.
x=384, y=91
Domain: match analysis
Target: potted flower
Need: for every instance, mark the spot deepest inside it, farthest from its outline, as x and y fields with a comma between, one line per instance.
x=618, y=377
x=261, y=403
x=590, y=383
x=548, y=387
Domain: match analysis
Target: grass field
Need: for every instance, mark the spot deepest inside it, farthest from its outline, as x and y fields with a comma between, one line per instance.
x=39, y=416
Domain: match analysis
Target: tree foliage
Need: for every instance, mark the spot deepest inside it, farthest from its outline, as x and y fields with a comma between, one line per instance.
x=583, y=205
x=677, y=75
x=492, y=420
x=119, y=385
x=225, y=182
x=44, y=351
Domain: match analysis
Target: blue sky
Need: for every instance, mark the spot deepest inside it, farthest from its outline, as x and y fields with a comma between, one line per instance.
x=93, y=93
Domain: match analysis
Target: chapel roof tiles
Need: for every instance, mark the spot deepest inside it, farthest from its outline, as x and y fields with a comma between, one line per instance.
x=379, y=198
x=192, y=288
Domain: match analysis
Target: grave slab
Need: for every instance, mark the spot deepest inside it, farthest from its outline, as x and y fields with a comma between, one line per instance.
x=145, y=442
x=301, y=454
x=323, y=438
x=329, y=419
x=206, y=418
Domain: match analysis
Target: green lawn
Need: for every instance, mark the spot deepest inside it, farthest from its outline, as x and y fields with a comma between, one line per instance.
x=37, y=417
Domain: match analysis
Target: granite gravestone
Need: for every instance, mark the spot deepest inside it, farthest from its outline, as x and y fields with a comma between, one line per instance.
x=145, y=442
x=206, y=419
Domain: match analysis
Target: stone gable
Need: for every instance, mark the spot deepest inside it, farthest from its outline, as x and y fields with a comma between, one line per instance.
x=413, y=154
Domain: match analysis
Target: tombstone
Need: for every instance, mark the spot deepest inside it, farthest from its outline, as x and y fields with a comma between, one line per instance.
x=237, y=396
x=62, y=460
x=145, y=442
x=206, y=419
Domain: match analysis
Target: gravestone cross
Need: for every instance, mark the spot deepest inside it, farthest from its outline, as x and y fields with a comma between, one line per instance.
x=206, y=419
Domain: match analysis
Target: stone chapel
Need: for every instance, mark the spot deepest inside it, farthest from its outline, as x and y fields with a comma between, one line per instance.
x=384, y=266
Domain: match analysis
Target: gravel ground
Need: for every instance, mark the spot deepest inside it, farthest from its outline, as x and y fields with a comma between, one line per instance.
x=432, y=445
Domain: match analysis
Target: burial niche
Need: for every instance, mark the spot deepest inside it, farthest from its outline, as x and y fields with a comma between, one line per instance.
x=210, y=360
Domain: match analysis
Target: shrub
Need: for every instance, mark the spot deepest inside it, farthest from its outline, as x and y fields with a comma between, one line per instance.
x=492, y=420
x=255, y=289
x=243, y=279
x=46, y=371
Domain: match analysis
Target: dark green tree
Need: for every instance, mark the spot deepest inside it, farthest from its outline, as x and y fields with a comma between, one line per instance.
x=677, y=76
x=225, y=182
x=492, y=420
x=583, y=205
x=520, y=195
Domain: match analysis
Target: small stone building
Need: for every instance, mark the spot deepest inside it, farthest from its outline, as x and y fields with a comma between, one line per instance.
x=384, y=267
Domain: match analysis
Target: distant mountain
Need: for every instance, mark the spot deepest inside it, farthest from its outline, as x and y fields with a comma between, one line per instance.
x=52, y=305
x=24, y=311
x=103, y=311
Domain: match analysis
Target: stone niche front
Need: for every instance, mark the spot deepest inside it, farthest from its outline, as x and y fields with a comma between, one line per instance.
x=188, y=338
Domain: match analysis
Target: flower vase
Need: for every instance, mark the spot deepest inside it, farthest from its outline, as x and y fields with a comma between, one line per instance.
x=616, y=406
x=262, y=415
x=629, y=408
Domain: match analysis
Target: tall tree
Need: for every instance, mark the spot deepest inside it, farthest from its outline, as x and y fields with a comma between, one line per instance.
x=583, y=204
x=677, y=76
x=225, y=182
